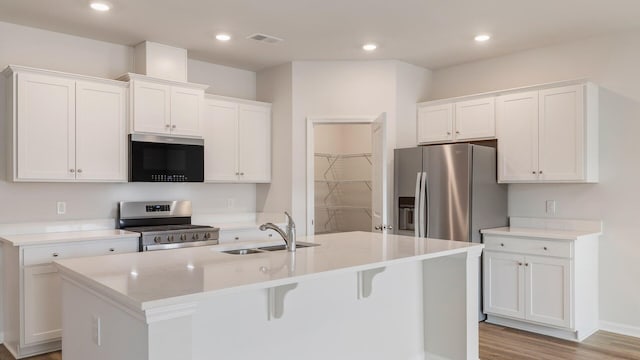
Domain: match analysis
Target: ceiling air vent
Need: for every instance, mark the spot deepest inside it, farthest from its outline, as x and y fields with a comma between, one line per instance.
x=265, y=38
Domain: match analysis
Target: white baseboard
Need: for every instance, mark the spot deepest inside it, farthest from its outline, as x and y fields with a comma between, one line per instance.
x=621, y=329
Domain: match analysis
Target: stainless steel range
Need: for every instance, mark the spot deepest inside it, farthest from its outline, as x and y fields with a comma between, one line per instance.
x=164, y=225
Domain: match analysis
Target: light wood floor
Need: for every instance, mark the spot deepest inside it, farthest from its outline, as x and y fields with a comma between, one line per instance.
x=500, y=343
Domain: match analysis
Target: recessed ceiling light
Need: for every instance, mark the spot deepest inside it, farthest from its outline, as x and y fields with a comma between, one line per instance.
x=482, y=37
x=223, y=37
x=100, y=6
x=369, y=47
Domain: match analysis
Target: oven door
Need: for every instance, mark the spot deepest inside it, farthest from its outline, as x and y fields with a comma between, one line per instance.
x=165, y=159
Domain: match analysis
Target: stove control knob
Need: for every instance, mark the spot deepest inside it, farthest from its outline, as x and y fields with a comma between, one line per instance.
x=183, y=237
x=196, y=237
x=157, y=239
x=170, y=238
x=207, y=236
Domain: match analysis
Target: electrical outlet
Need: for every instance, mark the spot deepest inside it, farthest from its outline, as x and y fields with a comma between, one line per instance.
x=61, y=207
x=551, y=207
x=96, y=330
x=231, y=203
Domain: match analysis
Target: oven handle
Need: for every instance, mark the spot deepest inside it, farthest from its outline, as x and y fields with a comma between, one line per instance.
x=179, y=245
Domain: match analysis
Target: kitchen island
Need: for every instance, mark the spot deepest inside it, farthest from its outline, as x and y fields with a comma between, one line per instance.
x=355, y=295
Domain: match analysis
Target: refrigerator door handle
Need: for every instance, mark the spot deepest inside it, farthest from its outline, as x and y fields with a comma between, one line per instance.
x=424, y=209
x=416, y=207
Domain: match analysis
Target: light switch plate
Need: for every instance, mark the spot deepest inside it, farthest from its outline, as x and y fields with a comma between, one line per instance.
x=61, y=207
x=551, y=207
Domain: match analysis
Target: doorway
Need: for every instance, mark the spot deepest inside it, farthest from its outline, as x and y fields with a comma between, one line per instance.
x=346, y=176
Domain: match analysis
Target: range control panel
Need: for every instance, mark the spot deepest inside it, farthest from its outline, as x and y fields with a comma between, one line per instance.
x=157, y=208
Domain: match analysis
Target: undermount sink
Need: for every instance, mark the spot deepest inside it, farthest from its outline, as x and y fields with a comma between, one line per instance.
x=242, y=251
x=283, y=247
x=267, y=248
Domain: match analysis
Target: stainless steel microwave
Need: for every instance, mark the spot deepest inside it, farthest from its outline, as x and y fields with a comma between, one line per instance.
x=165, y=159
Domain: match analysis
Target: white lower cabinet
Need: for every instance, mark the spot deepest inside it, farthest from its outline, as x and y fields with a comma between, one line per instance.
x=32, y=313
x=504, y=284
x=41, y=295
x=548, y=288
x=532, y=284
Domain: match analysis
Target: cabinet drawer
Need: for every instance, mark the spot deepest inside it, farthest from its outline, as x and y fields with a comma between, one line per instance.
x=557, y=248
x=245, y=235
x=42, y=254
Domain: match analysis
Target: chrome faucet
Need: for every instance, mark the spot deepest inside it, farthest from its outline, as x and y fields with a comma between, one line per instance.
x=290, y=237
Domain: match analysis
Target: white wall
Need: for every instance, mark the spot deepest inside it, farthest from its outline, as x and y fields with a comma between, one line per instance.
x=274, y=85
x=613, y=62
x=223, y=80
x=413, y=84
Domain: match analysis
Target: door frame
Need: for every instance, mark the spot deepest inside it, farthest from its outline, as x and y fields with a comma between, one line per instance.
x=312, y=121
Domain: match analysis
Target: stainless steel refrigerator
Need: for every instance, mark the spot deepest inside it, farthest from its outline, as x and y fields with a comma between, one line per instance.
x=448, y=192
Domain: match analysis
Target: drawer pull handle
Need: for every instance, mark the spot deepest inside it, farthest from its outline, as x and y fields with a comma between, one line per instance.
x=545, y=248
x=519, y=264
x=237, y=238
x=502, y=244
x=55, y=254
x=112, y=250
x=270, y=235
x=526, y=264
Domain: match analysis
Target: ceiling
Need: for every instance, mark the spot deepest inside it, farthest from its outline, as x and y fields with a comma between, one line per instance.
x=429, y=33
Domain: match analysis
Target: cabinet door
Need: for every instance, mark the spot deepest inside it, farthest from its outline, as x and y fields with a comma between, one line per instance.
x=151, y=107
x=517, y=130
x=562, y=134
x=100, y=132
x=254, y=144
x=186, y=111
x=504, y=284
x=475, y=119
x=45, y=128
x=435, y=123
x=42, y=304
x=548, y=289
x=220, y=126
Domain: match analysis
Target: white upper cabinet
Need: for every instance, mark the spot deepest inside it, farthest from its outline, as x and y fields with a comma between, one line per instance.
x=517, y=132
x=165, y=107
x=456, y=121
x=45, y=128
x=66, y=127
x=550, y=135
x=475, y=119
x=101, y=132
x=254, y=143
x=435, y=123
x=562, y=135
x=220, y=141
x=151, y=107
x=186, y=111
x=237, y=135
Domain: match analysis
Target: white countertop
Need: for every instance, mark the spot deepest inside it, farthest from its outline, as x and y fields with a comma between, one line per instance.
x=548, y=228
x=540, y=233
x=66, y=237
x=149, y=280
x=53, y=232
